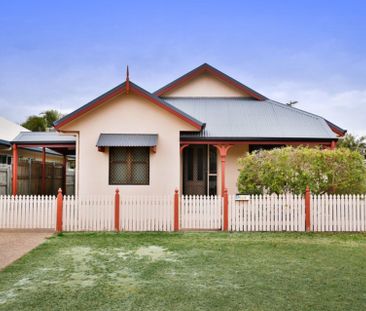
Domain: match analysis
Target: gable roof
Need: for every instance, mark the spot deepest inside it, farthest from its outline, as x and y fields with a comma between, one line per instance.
x=123, y=89
x=9, y=129
x=244, y=119
x=216, y=73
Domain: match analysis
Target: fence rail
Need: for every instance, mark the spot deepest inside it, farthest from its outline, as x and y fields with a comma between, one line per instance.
x=167, y=213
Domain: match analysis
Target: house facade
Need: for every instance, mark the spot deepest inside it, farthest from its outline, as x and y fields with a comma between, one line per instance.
x=187, y=135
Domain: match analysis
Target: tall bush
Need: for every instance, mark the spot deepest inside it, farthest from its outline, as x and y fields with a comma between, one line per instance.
x=292, y=169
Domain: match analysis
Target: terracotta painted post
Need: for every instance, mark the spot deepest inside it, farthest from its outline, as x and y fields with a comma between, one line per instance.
x=43, y=170
x=333, y=145
x=176, y=210
x=15, y=169
x=307, y=209
x=226, y=210
x=116, y=211
x=59, y=211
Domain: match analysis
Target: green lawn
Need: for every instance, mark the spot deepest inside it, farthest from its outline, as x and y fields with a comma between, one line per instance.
x=190, y=271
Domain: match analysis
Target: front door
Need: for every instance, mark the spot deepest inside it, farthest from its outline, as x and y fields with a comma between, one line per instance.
x=195, y=170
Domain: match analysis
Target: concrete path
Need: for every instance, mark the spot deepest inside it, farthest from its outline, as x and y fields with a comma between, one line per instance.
x=15, y=244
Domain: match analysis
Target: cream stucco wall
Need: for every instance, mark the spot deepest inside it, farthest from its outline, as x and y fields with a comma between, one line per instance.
x=206, y=85
x=232, y=168
x=128, y=114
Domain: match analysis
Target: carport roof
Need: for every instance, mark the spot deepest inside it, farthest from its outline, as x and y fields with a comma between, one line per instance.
x=43, y=138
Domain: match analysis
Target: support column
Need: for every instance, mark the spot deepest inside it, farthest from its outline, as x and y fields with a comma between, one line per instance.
x=333, y=145
x=223, y=150
x=15, y=169
x=64, y=173
x=43, y=170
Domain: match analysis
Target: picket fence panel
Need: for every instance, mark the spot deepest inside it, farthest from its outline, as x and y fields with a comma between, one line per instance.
x=338, y=213
x=88, y=213
x=201, y=212
x=267, y=213
x=146, y=213
x=27, y=212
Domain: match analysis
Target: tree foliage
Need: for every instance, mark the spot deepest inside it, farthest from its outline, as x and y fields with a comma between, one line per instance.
x=292, y=169
x=43, y=121
x=354, y=143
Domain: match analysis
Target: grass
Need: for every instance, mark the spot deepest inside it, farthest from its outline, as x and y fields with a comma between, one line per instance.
x=189, y=271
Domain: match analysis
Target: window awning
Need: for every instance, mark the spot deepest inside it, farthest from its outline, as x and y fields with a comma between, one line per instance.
x=127, y=140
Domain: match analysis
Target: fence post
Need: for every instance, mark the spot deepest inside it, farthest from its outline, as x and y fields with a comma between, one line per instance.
x=116, y=211
x=226, y=210
x=59, y=211
x=176, y=210
x=307, y=209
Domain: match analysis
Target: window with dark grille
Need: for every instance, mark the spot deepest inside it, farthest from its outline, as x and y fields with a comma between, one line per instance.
x=129, y=165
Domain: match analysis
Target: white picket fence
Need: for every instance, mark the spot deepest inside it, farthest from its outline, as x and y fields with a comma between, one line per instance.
x=88, y=213
x=201, y=212
x=156, y=213
x=338, y=213
x=267, y=213
x=27, y=212
x=146, y=213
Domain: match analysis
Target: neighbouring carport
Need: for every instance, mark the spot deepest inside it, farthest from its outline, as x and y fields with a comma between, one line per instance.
x=63, y=144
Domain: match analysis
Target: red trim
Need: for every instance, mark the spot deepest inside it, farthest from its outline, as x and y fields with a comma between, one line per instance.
x=307, y=209
x=158, y=103
x=333, y=145
x=223, y=150
x=94, y=105
x=336, y=130
x=216, y=73
x=59, y=211
x=15, y=169
x=246, y=142
x=47, y=145
x=183, y=146
x=121, y=90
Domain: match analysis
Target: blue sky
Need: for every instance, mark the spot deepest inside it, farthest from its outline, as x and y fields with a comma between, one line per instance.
x=61, y=54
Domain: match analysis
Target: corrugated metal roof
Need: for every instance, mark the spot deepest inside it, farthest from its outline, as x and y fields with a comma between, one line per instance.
x=246, y=118
x=37, y=138
x=127, y=140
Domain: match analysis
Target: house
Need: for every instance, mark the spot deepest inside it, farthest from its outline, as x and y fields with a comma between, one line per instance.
x=188, y=134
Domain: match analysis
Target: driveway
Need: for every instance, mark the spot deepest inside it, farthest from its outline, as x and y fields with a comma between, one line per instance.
x=15, y=244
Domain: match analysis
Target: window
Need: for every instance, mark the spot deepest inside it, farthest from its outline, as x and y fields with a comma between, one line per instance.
x=129, y=165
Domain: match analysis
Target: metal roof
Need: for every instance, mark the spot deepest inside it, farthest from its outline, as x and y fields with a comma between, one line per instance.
x=39, y=138
x=127, y=140
x=233, y=118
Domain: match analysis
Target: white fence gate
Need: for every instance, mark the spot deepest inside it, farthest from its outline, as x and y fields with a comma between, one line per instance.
x=146, y=213
x=267, y=213
x=88, y=213
x=201, y=212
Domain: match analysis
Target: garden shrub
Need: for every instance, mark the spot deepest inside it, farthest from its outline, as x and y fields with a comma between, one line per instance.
x=291, y=169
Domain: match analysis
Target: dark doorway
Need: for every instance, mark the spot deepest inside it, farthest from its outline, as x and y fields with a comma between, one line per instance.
x=195, y=170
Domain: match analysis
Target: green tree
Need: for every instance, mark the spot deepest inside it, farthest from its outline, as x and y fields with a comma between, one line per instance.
x=43, y=121
x=35, y=124
x=291, y=169
x=51, y=116
x=352, y=142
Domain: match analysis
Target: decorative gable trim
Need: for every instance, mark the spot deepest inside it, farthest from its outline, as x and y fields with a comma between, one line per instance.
x=127, y=88
x=214, y=72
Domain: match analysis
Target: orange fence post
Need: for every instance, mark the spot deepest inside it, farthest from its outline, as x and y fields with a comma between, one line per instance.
x=116, y=211
x=226, y=210
x=307, y=209
x=59, y=211
x=176, y=210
